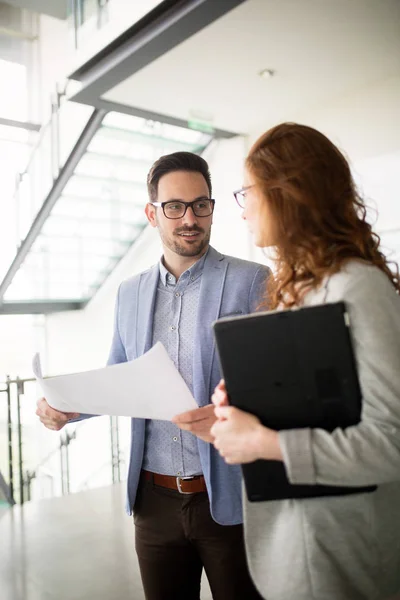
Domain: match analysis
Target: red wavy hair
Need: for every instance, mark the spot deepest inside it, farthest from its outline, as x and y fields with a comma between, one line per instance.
x=318, y=215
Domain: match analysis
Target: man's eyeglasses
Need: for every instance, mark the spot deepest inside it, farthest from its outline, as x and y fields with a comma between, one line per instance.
x=176, y=209
x=240, y=195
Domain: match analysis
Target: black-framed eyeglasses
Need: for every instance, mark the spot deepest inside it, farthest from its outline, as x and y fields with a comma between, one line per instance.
x=240, y=195
x=176, y=209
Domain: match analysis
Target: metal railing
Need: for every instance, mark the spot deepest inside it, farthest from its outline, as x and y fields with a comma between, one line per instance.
x=82, y=12
x=5, y=495
x=19, y=468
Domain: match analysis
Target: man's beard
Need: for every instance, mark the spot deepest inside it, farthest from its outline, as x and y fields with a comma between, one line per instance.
x=195, y=249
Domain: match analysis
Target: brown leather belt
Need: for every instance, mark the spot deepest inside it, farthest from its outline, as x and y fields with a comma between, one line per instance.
x=184, y=485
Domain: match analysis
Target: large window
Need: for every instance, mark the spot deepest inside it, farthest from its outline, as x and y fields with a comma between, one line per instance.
x=15, y=147
x=13, y=97
x=86, y=17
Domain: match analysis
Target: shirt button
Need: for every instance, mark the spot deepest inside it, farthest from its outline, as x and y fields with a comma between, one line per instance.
x=172, y=328
x=178, y=473
x=192, y=279
x=177, y=294
x=175, y=438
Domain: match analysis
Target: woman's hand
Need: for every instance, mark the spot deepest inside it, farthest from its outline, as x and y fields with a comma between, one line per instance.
x=239, y=436
x=220, y=396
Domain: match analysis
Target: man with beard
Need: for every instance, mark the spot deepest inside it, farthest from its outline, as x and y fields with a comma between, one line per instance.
x=185, y=499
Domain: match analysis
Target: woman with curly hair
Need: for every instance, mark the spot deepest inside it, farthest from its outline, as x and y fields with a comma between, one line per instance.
x=300, y=198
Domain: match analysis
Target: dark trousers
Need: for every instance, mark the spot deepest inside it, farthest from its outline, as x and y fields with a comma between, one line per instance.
x=176, y=537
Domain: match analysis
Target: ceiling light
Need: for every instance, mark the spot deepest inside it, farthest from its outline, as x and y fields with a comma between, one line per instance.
x=267, y=73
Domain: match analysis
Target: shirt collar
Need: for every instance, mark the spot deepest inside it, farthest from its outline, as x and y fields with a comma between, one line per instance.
x=192, y=273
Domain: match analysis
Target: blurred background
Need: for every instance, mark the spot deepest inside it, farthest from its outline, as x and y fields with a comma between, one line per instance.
x=91, y=93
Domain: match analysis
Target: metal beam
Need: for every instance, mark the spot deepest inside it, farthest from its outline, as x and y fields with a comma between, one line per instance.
x=153, y=116
x=53, y=8
x=45, y=307
x=15, y=33
x=21, y=124
x=165, y=27
x=78, y=151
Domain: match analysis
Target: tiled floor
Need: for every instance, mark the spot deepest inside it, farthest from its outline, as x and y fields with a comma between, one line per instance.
x=79, y=547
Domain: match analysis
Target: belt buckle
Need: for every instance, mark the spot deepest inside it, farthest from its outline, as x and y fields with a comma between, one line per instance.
x=178, y=483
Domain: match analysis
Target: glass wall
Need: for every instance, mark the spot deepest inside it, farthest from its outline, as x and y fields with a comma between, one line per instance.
x=88, y=17
x=16, y=140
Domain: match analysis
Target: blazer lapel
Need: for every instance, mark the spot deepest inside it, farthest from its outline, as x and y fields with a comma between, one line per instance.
x=211, y=290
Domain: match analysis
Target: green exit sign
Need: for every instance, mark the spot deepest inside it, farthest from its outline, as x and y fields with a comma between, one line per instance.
x=201, y=126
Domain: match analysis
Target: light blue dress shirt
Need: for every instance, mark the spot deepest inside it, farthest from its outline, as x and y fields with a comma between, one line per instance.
x=168, y=449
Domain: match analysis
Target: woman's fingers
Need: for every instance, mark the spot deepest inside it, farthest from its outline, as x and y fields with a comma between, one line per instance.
x=221, y=386
x=220, y=397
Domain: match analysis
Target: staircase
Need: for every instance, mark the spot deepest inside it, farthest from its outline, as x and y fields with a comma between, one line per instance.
x=74, y=230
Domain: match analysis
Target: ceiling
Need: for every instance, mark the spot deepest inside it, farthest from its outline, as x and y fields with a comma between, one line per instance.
x=320, y=50
x=53, y=8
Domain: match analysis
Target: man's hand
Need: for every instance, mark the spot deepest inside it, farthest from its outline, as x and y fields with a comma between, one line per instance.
x=51, y=418
x=198, y=421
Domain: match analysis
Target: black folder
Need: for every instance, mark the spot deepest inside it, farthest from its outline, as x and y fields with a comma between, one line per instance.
x=292, y=369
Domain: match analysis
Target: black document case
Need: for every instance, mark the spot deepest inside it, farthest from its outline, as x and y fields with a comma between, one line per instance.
x=292, y=369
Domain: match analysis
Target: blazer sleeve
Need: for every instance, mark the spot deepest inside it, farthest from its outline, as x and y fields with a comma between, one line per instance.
x=368, y=453
x=117, y=351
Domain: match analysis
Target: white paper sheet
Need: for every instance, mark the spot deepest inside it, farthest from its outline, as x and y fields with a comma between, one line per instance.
x=149, y=387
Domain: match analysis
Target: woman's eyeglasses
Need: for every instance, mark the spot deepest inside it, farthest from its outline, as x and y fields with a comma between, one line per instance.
x=176, y=209
x=240, y=195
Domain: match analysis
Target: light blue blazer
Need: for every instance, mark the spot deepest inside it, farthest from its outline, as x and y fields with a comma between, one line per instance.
x=229, y=286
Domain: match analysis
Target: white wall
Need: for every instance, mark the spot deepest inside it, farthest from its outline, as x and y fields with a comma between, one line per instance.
x=229, y=233
x=365, y=125
x=53, y=60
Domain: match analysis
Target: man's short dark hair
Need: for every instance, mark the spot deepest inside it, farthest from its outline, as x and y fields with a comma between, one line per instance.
x=177, y=161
